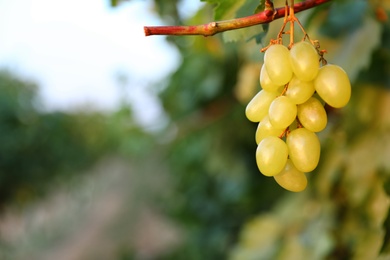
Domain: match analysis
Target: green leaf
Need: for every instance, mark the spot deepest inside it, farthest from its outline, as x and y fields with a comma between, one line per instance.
x=225, y=9
x=260, y=7
x=245, y=34
x=248, y=7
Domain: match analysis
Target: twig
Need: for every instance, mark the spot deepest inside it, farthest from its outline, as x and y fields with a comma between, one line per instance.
x=212, y=28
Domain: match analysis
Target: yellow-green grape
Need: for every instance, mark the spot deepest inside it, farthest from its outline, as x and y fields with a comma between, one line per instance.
x=291, y=178
x=299, y=91
x=277, y=62
x=282, y=112
x=304, y=149
x=304, y=61
x=265, y=129
x=265, y=82
x=271, y=155
x=258, y=107
x=333, y=86
x=312, y=115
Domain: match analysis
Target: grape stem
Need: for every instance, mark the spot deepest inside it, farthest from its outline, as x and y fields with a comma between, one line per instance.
x=293, y=19
x=212, y=28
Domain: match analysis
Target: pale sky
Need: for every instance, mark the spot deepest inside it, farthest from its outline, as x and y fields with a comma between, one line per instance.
x=74, y=49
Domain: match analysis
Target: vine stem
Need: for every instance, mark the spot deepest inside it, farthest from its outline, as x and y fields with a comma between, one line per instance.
x=212, y=28
x=292, y=21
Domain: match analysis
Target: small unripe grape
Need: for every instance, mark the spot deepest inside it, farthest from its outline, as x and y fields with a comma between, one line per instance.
x=258, y=107
x=333, y=86
x=312, y=115
x=304, y=149
x=299, y=91
x=277, y=62
x=271, y=155
x=265, y=129
x=282, y=112
x=304, y=61
x=265, y=82
x=291, y=178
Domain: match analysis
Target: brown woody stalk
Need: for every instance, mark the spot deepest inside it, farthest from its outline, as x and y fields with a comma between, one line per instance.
x=212, y=28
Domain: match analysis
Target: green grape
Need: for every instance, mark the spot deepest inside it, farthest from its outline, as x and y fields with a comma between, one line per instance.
x=291, y=178
x=277, y=62
x=282, y=112
x=312, y=115
x=265, y=82
x=271, y=155
x=299, y=91
x=333, y=86
x=265, y=128
x=304, y=149
x=304, y=61
x=258, y=107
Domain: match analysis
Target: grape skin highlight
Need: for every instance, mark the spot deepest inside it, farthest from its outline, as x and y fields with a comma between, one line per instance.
x=299, y=91
x=258, y=107
x=312, y=115
x=304, y=61
x=304, y=149
x=265, y=82
x=291, y=178
x=333, y=86
x=271, y=155
x=277, y=62
x=282, y=112
x=265, y=128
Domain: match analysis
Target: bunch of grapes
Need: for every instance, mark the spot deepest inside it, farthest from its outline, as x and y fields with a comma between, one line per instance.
x=290, y=110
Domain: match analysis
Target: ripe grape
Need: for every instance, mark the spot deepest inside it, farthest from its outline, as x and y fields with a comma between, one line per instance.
x=291, y=106
x=271, y=155
x=277, y=63
x=312, y=115
x=265, y=128
x=304, y=149
x=282, y=112
x=265, y=82
x=258, y=107
x=299, y=91
x=291, y=178
x=333, y=86
x=304, y=61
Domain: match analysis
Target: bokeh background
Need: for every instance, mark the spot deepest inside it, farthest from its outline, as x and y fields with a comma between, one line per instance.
x=114, y=145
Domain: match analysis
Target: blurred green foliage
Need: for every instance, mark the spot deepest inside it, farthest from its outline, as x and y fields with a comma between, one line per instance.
x=37, y=147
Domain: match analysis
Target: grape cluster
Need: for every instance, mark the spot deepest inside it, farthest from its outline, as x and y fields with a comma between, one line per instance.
x=290, y=110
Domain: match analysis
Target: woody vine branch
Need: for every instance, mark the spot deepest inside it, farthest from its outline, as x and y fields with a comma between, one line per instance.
x=212, y=28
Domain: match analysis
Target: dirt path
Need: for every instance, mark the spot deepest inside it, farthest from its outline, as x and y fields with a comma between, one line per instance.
x=101, y=215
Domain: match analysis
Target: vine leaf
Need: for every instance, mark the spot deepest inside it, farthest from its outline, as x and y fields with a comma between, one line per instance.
x=225, y=9
x=260, y=7
x=248, y=34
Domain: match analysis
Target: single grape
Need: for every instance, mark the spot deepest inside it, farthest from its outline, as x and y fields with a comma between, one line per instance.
x=265, y=128
x=304, y=61
x=291, y=178
x=258, y=107
x=299, y=91
x=265, y=82
x=271, y=155
x=277, y=62
x=304, y=149
x=312, y=115
x=282, y=112
x=333, y=86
